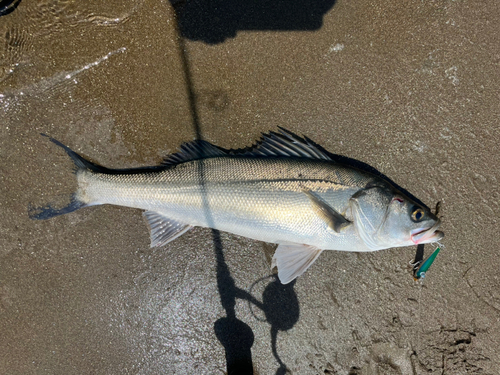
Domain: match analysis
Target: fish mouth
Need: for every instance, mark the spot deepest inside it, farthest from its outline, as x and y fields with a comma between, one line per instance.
x=427, y=235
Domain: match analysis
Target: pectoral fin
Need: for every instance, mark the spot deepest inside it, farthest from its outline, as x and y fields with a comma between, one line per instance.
x=334, y=219
x=293, y=260
x=163, y=230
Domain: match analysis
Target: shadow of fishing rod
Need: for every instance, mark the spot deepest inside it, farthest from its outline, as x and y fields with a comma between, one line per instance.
x=235, y=336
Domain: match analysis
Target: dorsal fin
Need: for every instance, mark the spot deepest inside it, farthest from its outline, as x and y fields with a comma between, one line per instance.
x=194, y=150
x=273, y=144
x=284, y=143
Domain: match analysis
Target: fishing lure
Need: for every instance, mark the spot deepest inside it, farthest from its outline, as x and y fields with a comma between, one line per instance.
x=419, y=270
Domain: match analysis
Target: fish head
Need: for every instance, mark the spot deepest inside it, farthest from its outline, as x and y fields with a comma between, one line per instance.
x=385, y=218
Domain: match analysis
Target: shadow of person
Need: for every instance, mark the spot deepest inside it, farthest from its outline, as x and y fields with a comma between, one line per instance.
x=281, y=308
x=237, y=338
x=213, y=21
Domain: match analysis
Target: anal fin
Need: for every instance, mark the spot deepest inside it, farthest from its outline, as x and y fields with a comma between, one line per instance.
x=163, y=230
x=293, y=260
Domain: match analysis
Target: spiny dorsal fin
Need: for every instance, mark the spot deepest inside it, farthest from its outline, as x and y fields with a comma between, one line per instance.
x=194, y=150
x=284, y=143
x=273, y=144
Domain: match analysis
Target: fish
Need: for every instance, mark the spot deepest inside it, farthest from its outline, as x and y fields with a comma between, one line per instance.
x=284, y=190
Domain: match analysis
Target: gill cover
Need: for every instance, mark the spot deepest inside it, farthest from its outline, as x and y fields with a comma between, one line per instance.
x=370, y=208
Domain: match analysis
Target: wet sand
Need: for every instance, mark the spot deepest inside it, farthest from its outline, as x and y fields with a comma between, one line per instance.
x=409, y=88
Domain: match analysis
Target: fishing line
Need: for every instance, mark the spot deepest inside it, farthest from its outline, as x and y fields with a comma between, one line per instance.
x=250, y=292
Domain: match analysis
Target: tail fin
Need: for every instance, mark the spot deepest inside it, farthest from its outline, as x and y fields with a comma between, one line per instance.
x=80, y=161
x=50, y=210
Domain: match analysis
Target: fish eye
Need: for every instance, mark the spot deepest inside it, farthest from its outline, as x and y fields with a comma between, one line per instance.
x=417, y=214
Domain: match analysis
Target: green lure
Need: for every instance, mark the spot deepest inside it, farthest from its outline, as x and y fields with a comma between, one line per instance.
x=420, y=273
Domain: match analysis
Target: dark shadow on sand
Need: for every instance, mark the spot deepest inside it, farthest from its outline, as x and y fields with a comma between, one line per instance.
x=213, y=21
x=235, y=336
x=8, y=6
x=279, y=304
x=281, y=309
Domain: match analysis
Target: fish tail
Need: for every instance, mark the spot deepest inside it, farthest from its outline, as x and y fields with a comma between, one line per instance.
x=51, y=210
x=80, y=161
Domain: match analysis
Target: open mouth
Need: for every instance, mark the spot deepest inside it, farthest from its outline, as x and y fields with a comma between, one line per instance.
x=427, y=235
